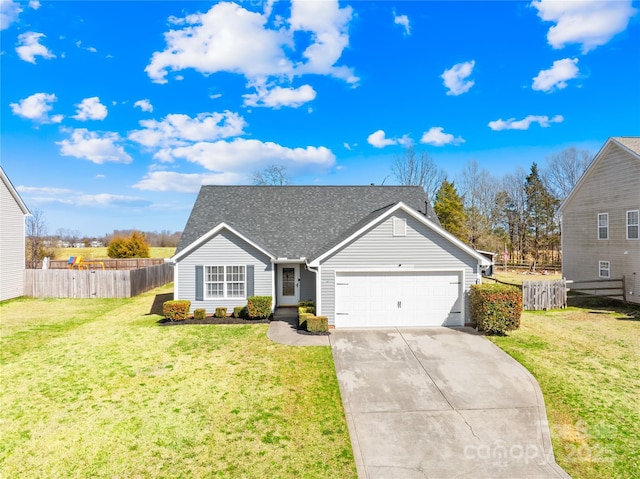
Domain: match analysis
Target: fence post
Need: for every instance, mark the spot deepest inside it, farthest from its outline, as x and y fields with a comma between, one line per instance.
x=624, y=290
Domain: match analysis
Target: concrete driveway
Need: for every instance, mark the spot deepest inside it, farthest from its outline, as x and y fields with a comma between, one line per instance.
x=440, y=403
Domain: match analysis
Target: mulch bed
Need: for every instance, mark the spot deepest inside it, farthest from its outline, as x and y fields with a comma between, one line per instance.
x=212, y=320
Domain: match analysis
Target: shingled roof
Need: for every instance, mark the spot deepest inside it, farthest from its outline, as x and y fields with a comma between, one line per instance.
x=296, y=221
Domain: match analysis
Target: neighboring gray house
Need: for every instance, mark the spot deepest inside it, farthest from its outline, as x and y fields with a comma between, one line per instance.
x=367, y=255
x=12, y=251
x=601, y=218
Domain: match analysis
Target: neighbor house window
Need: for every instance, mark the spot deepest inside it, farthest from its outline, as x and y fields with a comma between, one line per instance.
x=399, y=227
x=603, y=226
x=225, y=282
x=633, y=224
x=604, y=269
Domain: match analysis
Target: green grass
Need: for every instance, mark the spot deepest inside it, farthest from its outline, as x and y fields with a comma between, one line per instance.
x=587, y=362
x=95, y=388
x=517, y=277
x=101, y=253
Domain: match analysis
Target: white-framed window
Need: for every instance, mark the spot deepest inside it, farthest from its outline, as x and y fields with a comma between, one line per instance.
x=604, y=269
x=399, y=227
x=633, y=224
x=603, y=226
x=225, y=282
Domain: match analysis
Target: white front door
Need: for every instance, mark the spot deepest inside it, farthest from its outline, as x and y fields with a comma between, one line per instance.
x=288, y=284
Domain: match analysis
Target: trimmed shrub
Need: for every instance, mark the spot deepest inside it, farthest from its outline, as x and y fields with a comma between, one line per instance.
x=306, y=309
x=259, y=307
x=176, y=310
x=317, y=324
x=305, y=303
x=240, y=312
x=496, y=308
x=221, y=313
x=199, y=313
x=302, y=320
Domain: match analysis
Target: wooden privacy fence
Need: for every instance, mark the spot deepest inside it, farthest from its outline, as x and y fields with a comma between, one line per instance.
x=68, y=283
x=542, y=295
x=132, y=263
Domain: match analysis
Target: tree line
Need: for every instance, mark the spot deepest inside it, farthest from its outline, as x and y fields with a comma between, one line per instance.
x=516, y=214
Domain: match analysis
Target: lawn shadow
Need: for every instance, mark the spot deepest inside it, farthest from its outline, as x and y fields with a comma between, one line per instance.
x=627, y=312
x=158, y=301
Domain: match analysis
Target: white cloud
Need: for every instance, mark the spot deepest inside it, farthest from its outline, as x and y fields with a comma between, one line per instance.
x=45, y=190
x=34, y=4
x=524, y=124
x=144, y=105
x=91, y=109
x=94, y=147
x=226, y=38
x=186, y=182
x=277, y=97
x=178, y=129
x=556, y=77
x=377, y=139
x=436, y=137
x=328, y=25
x=588, y=23
x=404, y=21
x=9, y=12
x=89, y=49
x=455, y=78
x=37, y=107
x=241, y=155
x=348, y=146
x=29, y=47
x=110, y=200
x=230, y=38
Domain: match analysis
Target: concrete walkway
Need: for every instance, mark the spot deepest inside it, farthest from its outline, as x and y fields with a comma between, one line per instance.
x=284, y=330
x=440, y=403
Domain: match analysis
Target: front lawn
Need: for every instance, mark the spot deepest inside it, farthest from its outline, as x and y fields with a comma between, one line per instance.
x=587, y=361
x=95, y=388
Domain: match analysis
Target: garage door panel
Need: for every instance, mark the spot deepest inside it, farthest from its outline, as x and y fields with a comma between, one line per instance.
x=385, y=299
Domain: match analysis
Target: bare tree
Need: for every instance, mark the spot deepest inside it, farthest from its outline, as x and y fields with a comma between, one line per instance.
x=564, y=169
x=275, y=175
x=415, y=168
x=479, y=191
x=36, y=241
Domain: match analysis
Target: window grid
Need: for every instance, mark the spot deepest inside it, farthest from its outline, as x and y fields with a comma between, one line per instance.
x=603, y=226
x=225, y=282
x=604, y=269
x=633, y=224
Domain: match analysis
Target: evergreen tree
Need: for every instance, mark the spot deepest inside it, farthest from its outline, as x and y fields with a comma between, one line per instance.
x=449, y=208
x=541, y=214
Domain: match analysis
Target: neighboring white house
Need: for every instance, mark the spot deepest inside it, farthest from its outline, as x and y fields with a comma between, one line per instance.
x=12, y=251
x=601, y=218
x=366, y=255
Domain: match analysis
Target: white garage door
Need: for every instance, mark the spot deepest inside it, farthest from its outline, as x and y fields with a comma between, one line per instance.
x=389, y=299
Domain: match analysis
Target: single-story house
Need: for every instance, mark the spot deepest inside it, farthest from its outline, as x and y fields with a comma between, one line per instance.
x=366, y=255
x=12, y=239
x=601, y=219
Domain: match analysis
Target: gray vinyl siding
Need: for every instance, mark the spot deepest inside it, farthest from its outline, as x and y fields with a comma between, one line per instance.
x=612, y=186
x=307, y=284
x=224, y=249
x=12, y=256
x=421, y=248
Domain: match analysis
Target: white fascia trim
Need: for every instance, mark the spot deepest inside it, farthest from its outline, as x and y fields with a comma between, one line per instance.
x=206, y=237
x=388, y=269
x=289, y=260
x=175, y=281
x=417, y=216
x=13, y=192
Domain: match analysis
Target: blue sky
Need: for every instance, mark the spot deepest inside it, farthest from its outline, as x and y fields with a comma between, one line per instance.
x=114, y=113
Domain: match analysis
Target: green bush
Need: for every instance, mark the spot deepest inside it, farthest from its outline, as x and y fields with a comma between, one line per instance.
x=302, y=320
x=259, y=307
x=176, y=310
x=496, y=308
x=306, y=309
x=199, y=313
x=221, y=313
x=306, y=303
x=240, y=312
x=134, y=246
x=317, y=324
